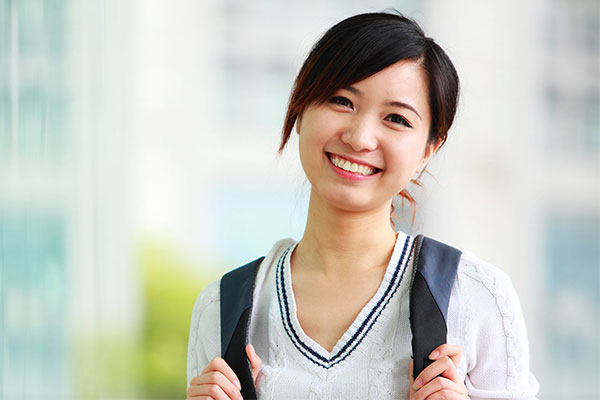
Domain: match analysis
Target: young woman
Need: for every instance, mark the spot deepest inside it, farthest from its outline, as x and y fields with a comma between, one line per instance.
x=372, y=104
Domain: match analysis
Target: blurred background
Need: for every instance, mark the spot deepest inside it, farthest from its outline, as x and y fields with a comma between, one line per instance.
x=138, y=163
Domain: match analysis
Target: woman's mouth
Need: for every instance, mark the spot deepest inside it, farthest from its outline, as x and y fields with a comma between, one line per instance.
x=350, y=166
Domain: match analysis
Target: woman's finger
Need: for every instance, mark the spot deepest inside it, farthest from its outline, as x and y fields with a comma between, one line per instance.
x=212, y=392
x=204, y=385
x=441, y=388
x=440, y=367
x=219, y=365
x=255, y=361
x=449, y=350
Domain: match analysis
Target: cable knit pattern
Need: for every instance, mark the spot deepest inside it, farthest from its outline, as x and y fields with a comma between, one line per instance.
x=484, y=319
x=383, y=367
x=490, y=282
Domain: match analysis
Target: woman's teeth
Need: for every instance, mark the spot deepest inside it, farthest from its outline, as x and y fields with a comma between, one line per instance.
x=350, y=166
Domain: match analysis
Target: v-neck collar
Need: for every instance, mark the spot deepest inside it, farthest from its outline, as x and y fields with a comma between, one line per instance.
x=362, y=324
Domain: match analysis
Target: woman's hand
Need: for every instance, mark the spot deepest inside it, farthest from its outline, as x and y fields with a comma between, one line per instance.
x=218, y=381
x=440, y=379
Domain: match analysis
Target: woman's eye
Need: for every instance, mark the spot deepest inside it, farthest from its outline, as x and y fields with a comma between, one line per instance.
x=398, y=119
x=342, y=101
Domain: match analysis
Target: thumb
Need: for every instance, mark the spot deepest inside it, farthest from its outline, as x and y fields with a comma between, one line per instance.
x=255, y=361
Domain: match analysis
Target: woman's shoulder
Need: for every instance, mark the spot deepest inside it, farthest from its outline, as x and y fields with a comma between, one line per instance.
x=484, y=293
x=487, y=275
x=486, y=319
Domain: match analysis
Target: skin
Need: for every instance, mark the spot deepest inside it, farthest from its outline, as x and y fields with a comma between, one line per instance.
x=440, y=379
x=383, y=122
x=218, y=381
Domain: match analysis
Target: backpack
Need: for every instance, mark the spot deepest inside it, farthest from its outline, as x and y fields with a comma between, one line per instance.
x=429, y=298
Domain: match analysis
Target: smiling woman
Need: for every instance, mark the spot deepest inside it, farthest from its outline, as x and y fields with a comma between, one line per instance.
x=329, y=315
x=375, y=124
x=347, y=55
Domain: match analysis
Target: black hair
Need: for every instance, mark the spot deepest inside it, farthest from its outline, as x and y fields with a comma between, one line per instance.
x=363, y=45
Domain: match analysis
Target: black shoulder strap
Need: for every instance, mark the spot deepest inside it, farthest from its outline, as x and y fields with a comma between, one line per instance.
x=429, y=297
x=237, y=287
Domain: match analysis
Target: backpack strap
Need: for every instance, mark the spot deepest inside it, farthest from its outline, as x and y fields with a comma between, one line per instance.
x=429, y=297
x=237, y=288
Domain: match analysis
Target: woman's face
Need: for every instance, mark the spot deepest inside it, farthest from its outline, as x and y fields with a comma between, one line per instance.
x=362, y=147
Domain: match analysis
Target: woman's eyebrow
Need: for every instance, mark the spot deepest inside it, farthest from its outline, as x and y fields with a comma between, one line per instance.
x=393, y=103
x=354, y=90
x=402, y=104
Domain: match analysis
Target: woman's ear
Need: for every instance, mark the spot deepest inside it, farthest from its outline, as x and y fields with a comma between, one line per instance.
x=430, y=150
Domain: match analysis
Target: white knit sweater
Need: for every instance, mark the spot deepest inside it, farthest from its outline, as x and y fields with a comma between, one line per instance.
x=370, y=361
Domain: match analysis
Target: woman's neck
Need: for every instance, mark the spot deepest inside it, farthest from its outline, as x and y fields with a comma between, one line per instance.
x=339, y=242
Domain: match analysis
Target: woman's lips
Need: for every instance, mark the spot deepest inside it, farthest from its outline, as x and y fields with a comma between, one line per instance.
x=351, y=166
x=351, y=170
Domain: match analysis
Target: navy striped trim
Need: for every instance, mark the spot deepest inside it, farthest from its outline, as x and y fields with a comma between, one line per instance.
x=361, y=332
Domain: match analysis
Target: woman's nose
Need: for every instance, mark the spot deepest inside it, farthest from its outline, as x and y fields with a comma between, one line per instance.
x=361, y=135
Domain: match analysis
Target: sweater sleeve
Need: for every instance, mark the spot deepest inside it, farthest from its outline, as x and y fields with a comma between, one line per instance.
x=204, y=342
x=494, y=329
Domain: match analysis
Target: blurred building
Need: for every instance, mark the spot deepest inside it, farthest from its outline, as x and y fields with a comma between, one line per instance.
x=66, y=274
x=569, y=199
x=34, y=217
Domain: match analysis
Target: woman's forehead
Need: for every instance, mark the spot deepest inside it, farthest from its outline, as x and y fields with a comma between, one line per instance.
x=404, y=81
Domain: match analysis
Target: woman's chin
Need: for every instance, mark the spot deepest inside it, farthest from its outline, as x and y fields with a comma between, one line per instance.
x=353, y=203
